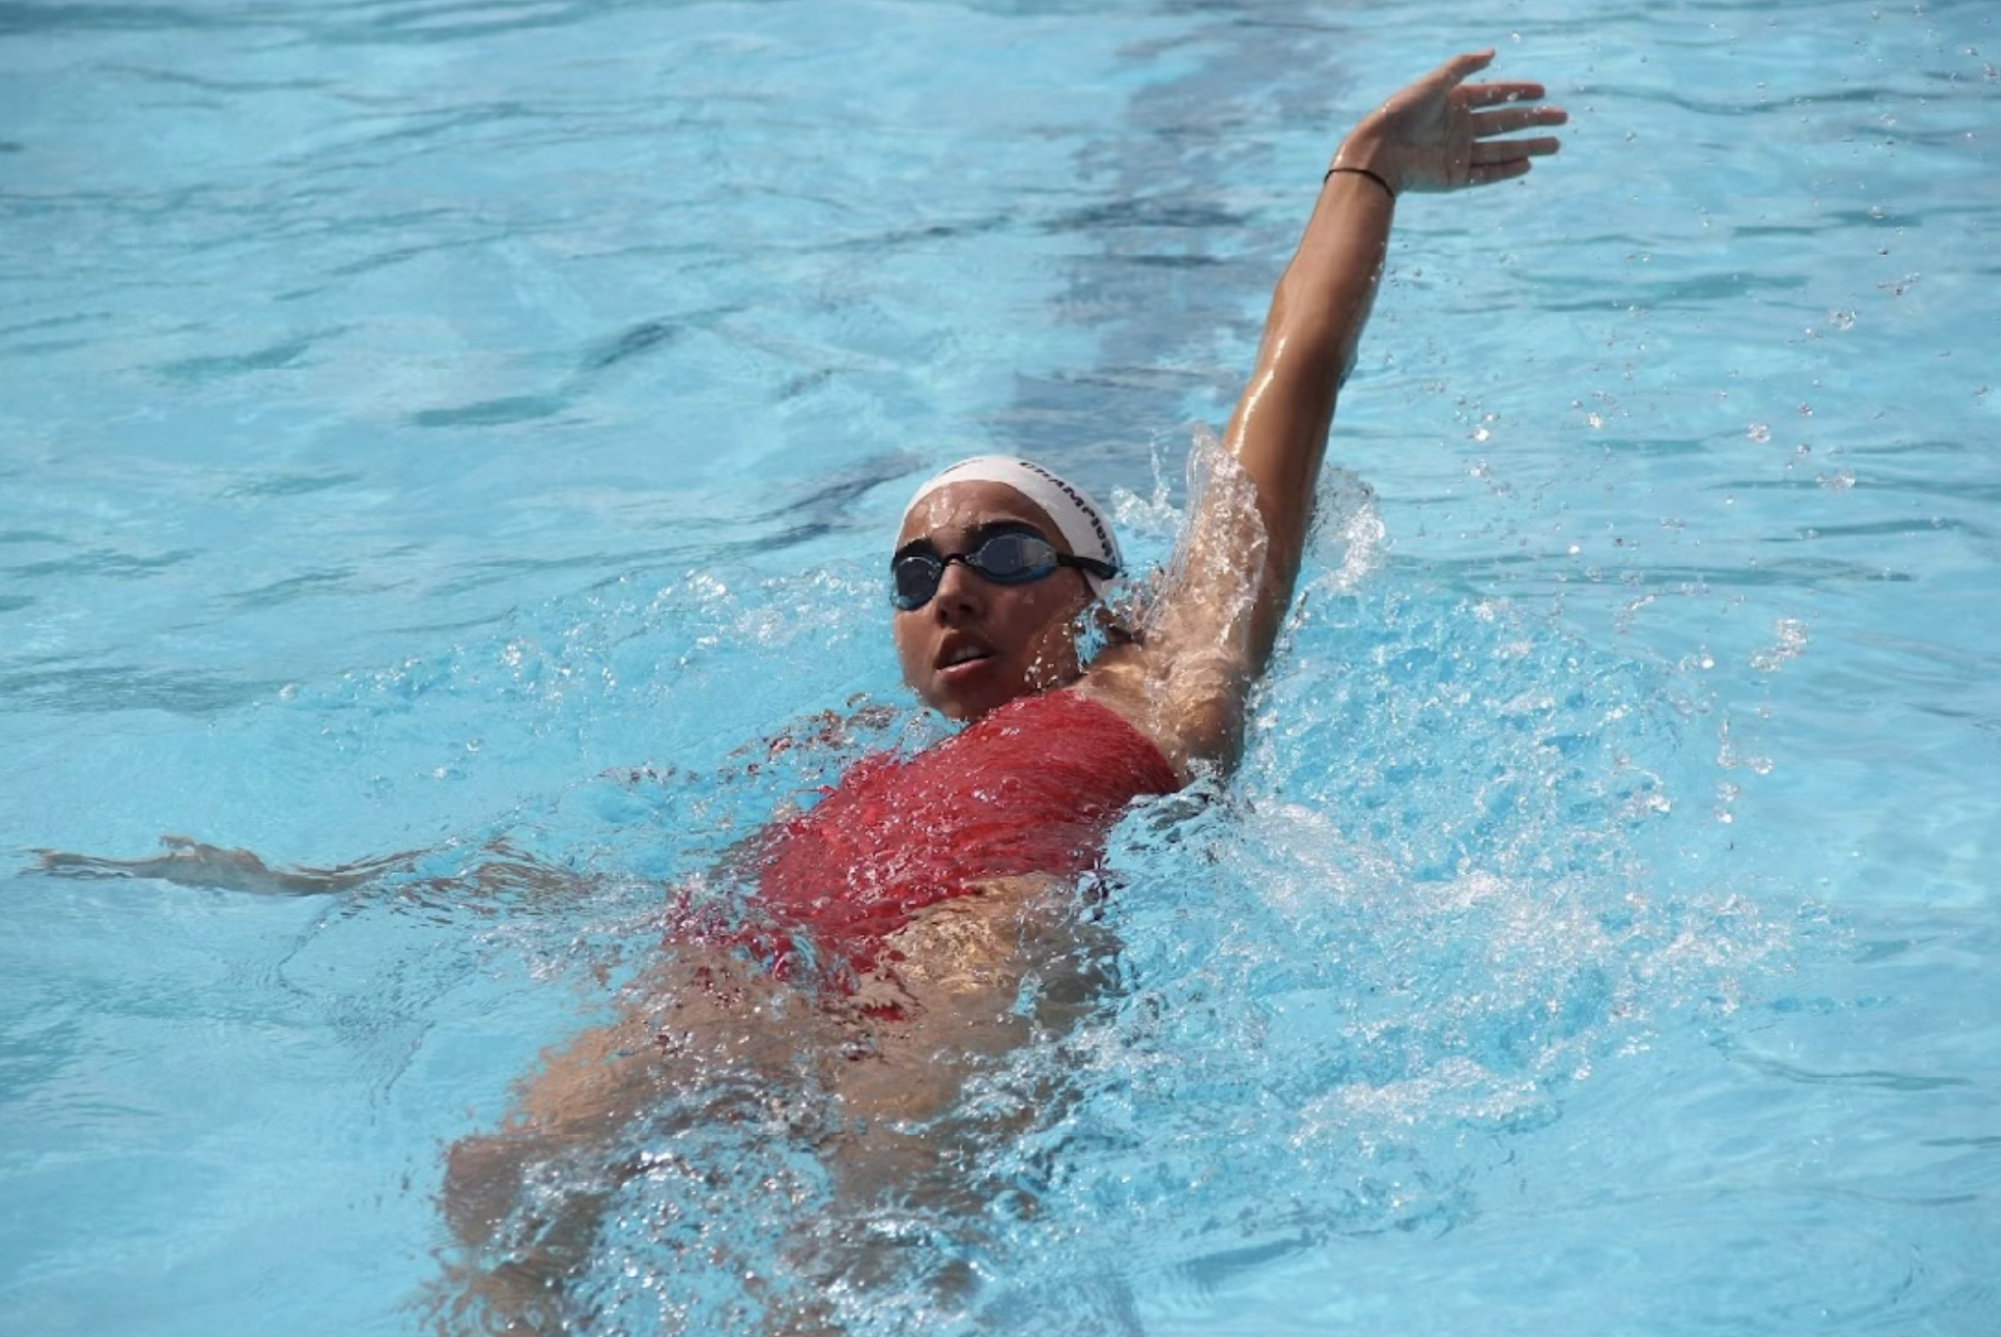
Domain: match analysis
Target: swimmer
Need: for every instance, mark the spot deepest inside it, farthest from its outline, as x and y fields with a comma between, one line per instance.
x=920, y=923
x=927, y=891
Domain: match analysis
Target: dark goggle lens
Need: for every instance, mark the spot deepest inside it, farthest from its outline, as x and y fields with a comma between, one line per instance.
x=1011, y=559
x=1005, y=559
x=913, y=580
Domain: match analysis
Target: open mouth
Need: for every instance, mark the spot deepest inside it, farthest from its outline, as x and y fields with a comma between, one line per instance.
x=961, y=655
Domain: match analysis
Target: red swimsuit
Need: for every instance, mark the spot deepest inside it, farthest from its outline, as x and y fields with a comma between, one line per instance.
x=1031, y=787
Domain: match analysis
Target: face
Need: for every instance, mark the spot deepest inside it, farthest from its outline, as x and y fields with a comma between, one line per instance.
x=977, y=644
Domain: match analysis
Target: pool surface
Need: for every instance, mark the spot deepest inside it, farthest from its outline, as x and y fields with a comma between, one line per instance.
x=470, y=431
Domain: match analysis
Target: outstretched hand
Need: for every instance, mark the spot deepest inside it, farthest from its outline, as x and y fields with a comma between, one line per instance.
x=1442, y=133
x=193, y=864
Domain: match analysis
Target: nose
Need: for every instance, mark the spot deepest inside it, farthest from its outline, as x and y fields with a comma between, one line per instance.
x=960, y=591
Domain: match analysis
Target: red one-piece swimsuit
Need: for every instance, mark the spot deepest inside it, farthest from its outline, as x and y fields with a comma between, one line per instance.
x=1031, y=787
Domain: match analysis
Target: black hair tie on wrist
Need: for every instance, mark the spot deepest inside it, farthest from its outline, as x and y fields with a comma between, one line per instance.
x=1361, y=171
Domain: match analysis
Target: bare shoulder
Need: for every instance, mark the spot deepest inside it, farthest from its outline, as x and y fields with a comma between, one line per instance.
x=1189, y=709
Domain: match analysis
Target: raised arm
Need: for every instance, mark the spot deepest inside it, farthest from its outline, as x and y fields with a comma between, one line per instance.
x=1211, y=632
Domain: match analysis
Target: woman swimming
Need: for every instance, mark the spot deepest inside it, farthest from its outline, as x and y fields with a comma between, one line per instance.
x=914, y=901
x=919, y=924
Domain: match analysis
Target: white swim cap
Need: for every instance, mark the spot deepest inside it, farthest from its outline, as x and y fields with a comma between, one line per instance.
x=1080, y=519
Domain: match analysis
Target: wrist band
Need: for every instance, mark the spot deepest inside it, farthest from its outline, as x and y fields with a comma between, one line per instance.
x=1362, y=171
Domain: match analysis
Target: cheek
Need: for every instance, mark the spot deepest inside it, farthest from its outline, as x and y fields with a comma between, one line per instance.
x=908, y=635
x=1053, y=642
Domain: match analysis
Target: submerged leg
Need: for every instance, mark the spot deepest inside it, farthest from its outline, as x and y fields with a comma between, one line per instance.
x=971, y=983
x=705, y=1041
x=874, y=1082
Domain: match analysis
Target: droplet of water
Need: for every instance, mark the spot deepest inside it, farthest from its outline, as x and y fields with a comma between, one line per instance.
x=1759, y=432
x=1792, y=639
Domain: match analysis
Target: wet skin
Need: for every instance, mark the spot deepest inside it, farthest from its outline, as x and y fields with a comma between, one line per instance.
x=977, y=644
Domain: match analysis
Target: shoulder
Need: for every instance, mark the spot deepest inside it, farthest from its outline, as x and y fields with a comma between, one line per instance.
x=1194, y=717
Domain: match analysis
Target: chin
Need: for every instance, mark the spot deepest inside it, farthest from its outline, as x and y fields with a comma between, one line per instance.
x=961, y=708
x=969, y=703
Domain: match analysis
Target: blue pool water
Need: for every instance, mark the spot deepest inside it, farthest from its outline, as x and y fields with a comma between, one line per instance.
x=472, y=428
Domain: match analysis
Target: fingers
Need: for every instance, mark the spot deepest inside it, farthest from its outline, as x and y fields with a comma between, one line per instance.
x=1487, y=124
x=1504, y=160
x=1488, y=95
x=1486, y=174
x=1463, y=67
x=1499, y=151
x=1492, y=158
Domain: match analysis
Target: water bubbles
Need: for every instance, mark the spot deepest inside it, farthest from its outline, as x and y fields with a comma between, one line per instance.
x=1759, y=432
x=1838, y=481
x=1792, y=639
x=1726, y=794
x=1729, y=758
x=706, y=588
x=1841, y=320
x=1623, y=621
x=1645, y=804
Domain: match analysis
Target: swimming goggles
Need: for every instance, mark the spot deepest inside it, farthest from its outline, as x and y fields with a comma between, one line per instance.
x=1005, y=556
